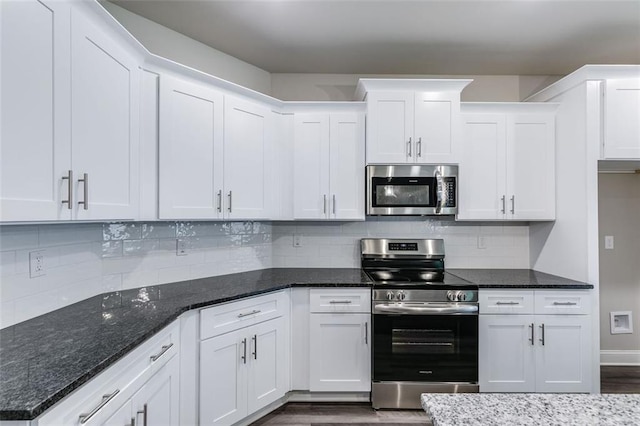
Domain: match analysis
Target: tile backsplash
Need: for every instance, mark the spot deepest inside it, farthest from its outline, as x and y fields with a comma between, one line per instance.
x=83, y=260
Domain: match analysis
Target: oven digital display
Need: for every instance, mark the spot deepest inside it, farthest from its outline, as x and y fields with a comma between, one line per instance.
x=403, y=246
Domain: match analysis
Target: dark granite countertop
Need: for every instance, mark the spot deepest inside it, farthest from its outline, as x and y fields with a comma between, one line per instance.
x=517, y=279
x=44, y=359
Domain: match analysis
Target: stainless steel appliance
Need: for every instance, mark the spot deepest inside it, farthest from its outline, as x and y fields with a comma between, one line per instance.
x=425, y=323
x=417, y=190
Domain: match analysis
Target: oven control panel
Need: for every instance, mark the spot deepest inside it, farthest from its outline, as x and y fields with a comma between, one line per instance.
x=403, y=246
x=460, y=296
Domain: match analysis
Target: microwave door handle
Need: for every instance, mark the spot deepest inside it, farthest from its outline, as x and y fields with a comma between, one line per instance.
x=439, y=186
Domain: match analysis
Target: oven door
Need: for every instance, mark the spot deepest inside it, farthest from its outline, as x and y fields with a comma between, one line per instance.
x=425, y=348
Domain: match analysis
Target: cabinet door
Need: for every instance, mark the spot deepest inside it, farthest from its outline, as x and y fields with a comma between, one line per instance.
x=190, y=169
x=506, y=353
x=436, y=127
x=311, y=166
x=390, y=128
x=482, y=193
x=346, y=151
x=104, y=125
x=563, y=358
x=158, y=401
x=124, y=416
x=35, y=146
x=621, y=112
x=223, y=378
x=268, y=355
x=340, y=353
x=247, y=145
x=531, y=191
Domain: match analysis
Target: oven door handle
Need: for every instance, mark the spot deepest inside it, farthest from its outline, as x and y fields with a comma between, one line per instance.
x=425, y=308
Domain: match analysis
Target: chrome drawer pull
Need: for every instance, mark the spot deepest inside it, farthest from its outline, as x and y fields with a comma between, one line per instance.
x=340, y=302
x=85, y=202
x=144, y=412
x=532, y=339
x=564, y=303
x=507, y=303
x=162, y=351
x=105, y=400
x=246, y=314
x=69, y=179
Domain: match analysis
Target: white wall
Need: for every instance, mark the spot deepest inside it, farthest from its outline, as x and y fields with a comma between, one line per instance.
x=341, y=87
x=83, y=260
x=177, y=47
x=619, y=216
x=336, y=244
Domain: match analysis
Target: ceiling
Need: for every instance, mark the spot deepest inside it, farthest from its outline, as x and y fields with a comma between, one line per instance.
x=481, y=37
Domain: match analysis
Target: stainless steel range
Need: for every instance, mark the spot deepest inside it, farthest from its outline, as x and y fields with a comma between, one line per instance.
x=425, y=323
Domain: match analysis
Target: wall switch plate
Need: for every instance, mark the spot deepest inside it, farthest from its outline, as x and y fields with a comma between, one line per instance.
x=608, y=242
x=297, y=240
x=482, y=242
x=36, y=264
x=181, y=247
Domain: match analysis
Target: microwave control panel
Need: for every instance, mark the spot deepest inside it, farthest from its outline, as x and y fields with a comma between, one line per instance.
x=449, y=184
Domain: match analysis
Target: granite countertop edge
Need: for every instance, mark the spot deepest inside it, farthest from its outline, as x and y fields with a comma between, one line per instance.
x=37, y=410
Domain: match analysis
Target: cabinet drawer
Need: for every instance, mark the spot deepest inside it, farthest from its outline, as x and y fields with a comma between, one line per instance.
x=340, y=300
x=563, y=302
x=235, y=315
x=506, y=302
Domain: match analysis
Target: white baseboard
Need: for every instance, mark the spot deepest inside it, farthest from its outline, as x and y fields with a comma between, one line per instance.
x=619, y=357
x=303, y=396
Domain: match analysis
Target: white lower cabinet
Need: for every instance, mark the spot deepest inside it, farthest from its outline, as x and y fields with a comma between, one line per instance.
x=532, y=351
x=243, y=370
x=143, y=388
x=339, y=343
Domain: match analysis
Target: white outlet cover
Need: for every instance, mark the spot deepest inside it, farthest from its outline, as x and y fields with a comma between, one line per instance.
x=37, y=267
x=608, y=242
x=297, y=240
x=181, y=247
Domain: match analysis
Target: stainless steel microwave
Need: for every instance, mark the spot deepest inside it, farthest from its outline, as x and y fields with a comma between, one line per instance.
x=414, y=190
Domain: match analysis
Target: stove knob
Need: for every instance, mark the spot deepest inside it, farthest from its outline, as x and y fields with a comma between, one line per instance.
x=389, y=295
x=451, y=296
x=401, y=295
x=462, y=296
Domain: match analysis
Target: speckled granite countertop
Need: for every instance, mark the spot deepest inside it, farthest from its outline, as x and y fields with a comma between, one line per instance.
x=499, y=409
x=516, y=278
x=46, y=358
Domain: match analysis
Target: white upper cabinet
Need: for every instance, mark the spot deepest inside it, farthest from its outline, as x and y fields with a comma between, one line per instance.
x=621, y=123
x=104, y=126
x=412, y=121
x=69, y=147
x=35, y=145
x=508, y=166
x=190, y=157
x=329, y=165
x=248, y=130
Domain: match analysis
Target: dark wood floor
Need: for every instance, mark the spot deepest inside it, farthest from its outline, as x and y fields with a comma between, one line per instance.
x=612, y=380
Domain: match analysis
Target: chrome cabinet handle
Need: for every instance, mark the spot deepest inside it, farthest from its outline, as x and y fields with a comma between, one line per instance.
x=324, y=203
x=69, y=179
x=105, y=400
x=334, y=204
x=542, y=334
x=85, y=202
x=244, y=351
x=164, y=349
x=419, y=147
x=409, y=149
x=255, y=311
x=513, y=204
x=504, y=204
x=532, y=338
x=230, y=197
x=340, y=302
x=366, y=333
x=144, y=412
x=133, y=421
x=564, y=303
x=507, y=303
x=220, y=201
x=255, y=346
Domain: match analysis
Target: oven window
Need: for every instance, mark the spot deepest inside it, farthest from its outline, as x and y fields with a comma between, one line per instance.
x=402, y=195
x=438, y=348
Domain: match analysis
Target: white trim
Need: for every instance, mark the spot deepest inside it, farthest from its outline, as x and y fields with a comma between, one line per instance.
x=304, y=396
x=617, y=357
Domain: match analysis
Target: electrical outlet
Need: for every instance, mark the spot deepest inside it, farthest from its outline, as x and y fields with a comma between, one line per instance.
x=181, y=247
x=36, y=264
x=608, y=242
x=482, y=242
x=297, y=240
